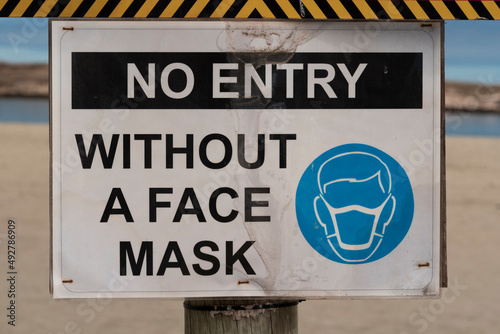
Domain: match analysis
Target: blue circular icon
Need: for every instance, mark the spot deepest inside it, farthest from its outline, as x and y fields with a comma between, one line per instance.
x=354, y=204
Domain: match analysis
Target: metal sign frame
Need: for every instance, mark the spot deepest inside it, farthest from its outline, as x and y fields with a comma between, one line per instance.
x=68, y=120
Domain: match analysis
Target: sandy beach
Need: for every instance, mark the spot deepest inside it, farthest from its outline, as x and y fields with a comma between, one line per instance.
x=470, y=305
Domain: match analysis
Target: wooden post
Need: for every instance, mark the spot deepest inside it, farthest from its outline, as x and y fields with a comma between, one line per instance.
x=256, y=316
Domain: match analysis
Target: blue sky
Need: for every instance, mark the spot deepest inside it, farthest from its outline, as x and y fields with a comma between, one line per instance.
x=472, y=48
x=472, y=51
x=24, y=40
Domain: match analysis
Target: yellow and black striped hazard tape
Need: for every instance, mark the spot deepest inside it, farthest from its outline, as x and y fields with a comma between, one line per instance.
x=282, y=9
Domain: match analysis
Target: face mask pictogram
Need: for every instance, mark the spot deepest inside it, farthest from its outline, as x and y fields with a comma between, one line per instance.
x=354, y=204
x=354, y=226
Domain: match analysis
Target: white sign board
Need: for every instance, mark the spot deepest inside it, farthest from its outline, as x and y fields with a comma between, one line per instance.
x=216, y=159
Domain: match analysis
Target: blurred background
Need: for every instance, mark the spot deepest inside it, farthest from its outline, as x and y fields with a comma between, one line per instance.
x=470, y=304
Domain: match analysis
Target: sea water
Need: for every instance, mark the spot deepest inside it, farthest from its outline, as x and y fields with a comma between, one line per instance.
x=26, y=110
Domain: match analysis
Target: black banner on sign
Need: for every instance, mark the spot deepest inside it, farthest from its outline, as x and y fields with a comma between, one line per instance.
x=246, y=80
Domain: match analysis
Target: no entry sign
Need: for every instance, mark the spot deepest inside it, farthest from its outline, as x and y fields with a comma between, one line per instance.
x=215, y=159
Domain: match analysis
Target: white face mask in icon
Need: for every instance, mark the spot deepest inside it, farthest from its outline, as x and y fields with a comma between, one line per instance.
x=354, y=226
